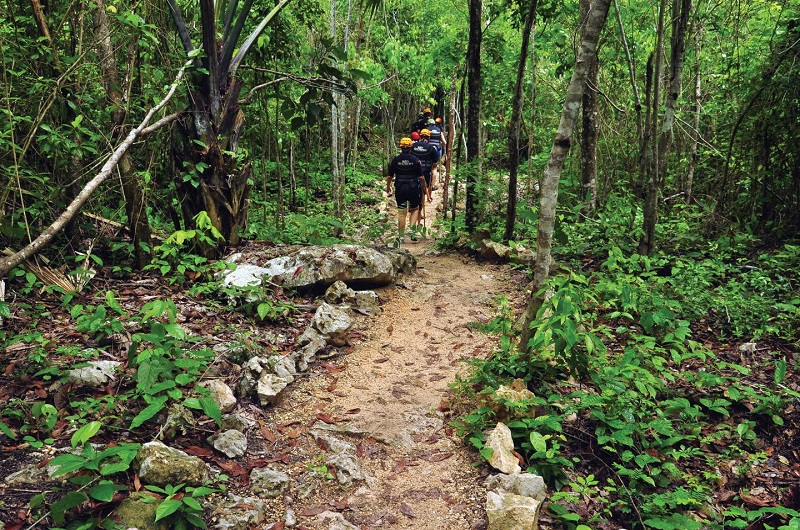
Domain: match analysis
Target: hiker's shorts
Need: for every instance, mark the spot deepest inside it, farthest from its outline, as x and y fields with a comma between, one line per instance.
x=407, y=197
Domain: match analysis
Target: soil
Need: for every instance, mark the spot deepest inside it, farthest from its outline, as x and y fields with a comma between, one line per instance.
x=393, y=389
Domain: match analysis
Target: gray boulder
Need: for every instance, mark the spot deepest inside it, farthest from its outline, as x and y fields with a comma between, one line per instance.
x=235, y=512
x=365, y=302
x=95, y=374
x=506, y=511
x=524, y=484
x=268, y=482
x=160, y=465
x=333, y=324
x=269, y=386
x=232, y=443
x=307, y=267
x=221, y=394
x=138, y=511
x=502, y=445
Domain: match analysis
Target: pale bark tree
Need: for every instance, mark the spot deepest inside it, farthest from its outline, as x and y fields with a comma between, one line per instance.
x=652, y=164
x=514, y=125
x=698, y=97
x=135, y=203
x=451, y=138
x=563, y=140
x=590, y=128
x=473, y=111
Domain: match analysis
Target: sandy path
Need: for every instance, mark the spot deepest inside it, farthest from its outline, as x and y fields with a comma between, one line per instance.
x=389, y=391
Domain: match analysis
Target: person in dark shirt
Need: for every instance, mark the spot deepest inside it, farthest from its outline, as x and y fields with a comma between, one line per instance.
x=422, y=120
x=428, y=157
x=409, y=186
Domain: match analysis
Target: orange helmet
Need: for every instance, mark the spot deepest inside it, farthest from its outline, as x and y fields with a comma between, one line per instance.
x=438, y=120
x=425, y=133
x=405, y=142
x=427, y=110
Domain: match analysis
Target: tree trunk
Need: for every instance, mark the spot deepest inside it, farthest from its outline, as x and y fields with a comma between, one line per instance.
x=135, y=203
x=698, y=96
x=589, y=130
x=473, y=111
x=561, y=144
x=451, y=140
x=647, y=240
x=680, y=22
x=211, y=177
x=516, y=118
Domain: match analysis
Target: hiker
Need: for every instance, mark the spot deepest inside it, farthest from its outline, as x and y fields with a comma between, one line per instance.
x=437, y=140
x=409, y=186
x=422, y=120
x=428, y=157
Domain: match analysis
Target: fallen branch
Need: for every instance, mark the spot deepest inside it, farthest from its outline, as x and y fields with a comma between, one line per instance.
x=33, y=248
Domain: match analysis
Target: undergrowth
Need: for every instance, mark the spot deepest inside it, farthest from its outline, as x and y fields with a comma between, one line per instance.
x=637, y=400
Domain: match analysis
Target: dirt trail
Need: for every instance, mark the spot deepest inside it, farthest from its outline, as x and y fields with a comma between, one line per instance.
x=389, y=390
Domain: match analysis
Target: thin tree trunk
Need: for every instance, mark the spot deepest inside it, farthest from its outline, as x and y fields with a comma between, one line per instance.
x=589, y=129
x=473, y=111
x=632, y=74
x=698, y=96
x=552, y=174
x=647, y=240
x=451, y=137
x=135, y=202
x=292, y=179
x=516, y=118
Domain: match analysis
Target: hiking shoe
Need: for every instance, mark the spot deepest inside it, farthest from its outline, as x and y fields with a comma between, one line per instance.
x=414, y=238
x=401, y=240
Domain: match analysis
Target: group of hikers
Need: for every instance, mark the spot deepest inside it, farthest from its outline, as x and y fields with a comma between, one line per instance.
x=415, y=171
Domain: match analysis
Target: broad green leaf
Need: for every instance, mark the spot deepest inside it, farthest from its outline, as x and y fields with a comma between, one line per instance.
x=82, y=435
x=167, y=508
x=538, y=442
x=211, y=409
x=780, y=371
x=104, y=491
x=67, y=502
x=148, y=412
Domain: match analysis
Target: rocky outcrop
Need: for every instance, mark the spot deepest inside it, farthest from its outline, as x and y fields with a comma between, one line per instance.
x=320, y=266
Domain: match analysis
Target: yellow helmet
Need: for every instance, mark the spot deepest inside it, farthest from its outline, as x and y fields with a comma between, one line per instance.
x=427, y=110
x=425, y=132
x=405, y=142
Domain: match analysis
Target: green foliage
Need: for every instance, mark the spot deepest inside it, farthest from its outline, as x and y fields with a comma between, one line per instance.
x=180, y=507
x=625, y=380
x=90, y=471
x=176, y=259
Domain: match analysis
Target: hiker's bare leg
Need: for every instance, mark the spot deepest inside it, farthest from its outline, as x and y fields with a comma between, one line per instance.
x=401, y=221
x=413, y=216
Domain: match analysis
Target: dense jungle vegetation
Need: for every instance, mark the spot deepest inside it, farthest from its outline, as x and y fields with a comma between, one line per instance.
x=150, y=138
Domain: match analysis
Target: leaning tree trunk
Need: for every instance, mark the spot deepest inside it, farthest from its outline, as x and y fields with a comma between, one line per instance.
x=516, y=118
x=552, y=174
x=589, y=129
x=135, y=206
x=211, y=177
x=698, y=96
x=473, y=111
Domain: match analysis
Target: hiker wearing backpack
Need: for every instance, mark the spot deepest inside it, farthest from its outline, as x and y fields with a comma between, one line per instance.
x=428, y=157
x=422, y=120
x=437, y=141
x=409, y=186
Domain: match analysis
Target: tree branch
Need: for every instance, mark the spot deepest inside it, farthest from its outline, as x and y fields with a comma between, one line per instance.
x=33, y=248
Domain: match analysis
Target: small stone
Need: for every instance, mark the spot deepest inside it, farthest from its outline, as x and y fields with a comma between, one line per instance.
x=269, y=483
x=232, y=443
x=269, y=386
x=524, y=484
x=507, y=511
x=221, y=394
x=502, y=445
x=96, y=374
x=160, y=465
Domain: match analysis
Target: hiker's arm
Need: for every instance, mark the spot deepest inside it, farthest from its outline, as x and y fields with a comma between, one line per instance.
x=388, y=184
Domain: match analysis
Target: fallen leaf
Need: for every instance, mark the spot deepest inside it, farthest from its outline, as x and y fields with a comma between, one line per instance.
x=436, y=378
x=277, y=526
x=333, y=368
x=436, y=457
x=353, y=411
x=266, y=433
x=415, y=309
x=399, y=466
x=444, y=406
x=389, y=329
x=755, y=501
x=198, y=451
x=381, y=360
x=311, y=512
x=297, y=272
x=328, y=418
x=332, y=386
x=406, y=510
